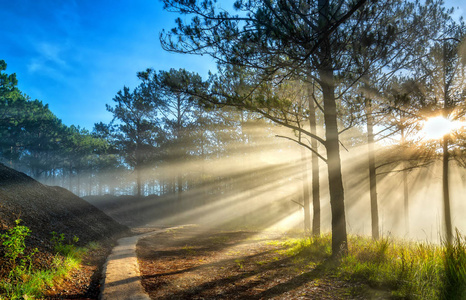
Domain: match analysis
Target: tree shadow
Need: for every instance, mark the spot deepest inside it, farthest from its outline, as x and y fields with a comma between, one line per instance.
x=246, y=284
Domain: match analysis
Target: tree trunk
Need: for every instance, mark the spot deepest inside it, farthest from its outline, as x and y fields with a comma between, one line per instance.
x=138, y=182
x=307, y=213
x=179, y=185
x=335, y=180
x=405, y=185
x=315, y=172
x=89, y=187
x=372, y=175
x=446, y=192
x=70, y=184
x=78, y=185
x=446, y=154
x=406, y=197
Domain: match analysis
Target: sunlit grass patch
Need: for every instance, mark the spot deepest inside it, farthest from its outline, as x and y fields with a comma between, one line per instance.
x=317, y=248
x=33, y=283
x=407, y=269
x=25, y=281
x=403, y=269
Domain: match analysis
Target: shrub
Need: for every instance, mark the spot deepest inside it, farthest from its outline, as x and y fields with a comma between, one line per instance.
x=14, y=246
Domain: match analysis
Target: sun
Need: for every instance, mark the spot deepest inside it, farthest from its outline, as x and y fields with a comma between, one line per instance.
x=437, y=127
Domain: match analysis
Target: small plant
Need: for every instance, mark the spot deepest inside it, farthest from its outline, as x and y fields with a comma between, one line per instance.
x=189, y=249
x=20, y=263
x=24, y=282
x=239, y=263
x=60, y=247
x=14, y=246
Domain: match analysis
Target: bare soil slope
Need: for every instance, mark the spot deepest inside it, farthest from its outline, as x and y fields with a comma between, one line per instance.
x=45, y=209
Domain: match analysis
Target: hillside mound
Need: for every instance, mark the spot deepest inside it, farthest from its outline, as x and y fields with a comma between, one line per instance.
x=45, y=209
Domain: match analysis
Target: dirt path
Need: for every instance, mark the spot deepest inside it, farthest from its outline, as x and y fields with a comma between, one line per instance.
x=191, y=264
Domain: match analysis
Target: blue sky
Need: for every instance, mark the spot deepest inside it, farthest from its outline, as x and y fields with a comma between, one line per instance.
x=76, y=55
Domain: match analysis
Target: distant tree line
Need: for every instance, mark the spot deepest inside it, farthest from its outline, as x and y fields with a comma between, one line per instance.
x=35, y=141
x=161, y=141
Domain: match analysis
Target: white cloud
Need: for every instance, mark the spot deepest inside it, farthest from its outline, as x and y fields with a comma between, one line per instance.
x=52, y=53
x=50, y=60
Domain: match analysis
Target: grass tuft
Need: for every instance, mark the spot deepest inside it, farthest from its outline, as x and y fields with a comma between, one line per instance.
x=454, y=279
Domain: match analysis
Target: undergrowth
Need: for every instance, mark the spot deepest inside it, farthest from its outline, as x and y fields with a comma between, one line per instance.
x=26, y=282
x=406, y=270
x=454, y=286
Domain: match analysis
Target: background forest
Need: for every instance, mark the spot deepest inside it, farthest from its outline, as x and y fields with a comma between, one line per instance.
x=328, y=112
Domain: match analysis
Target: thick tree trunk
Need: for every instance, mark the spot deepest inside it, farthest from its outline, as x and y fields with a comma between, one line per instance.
x=335, y=180
x=315, y=171
x=372, y=174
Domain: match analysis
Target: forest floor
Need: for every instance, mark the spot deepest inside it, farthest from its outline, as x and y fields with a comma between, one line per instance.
x=83, y=283
x=190, y=263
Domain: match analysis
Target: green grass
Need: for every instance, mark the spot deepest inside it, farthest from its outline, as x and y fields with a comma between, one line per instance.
x=404, y=270
x=454, y=283
x=32, y=283
x=25, y=282
x=407, y=270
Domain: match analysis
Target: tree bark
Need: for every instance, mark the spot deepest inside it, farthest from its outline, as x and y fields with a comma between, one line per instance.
x=405, y=185
x=446, y=154
x=446, y=192
x=337, y=198
x=315, y=171
x=335, y=180
x=138, y=182
x=406, y=197
x=372, y=175
x=307, y=213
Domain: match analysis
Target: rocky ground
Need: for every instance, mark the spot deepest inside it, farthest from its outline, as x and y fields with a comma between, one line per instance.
x=46, y=209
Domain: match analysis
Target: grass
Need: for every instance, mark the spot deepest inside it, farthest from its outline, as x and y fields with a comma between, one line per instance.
x=400, y=269
x=455, y=269
x=32, y=284
x=25, y=282
x=407, y=270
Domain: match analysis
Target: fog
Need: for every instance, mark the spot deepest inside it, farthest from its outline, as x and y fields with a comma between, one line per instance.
x=258, y=185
